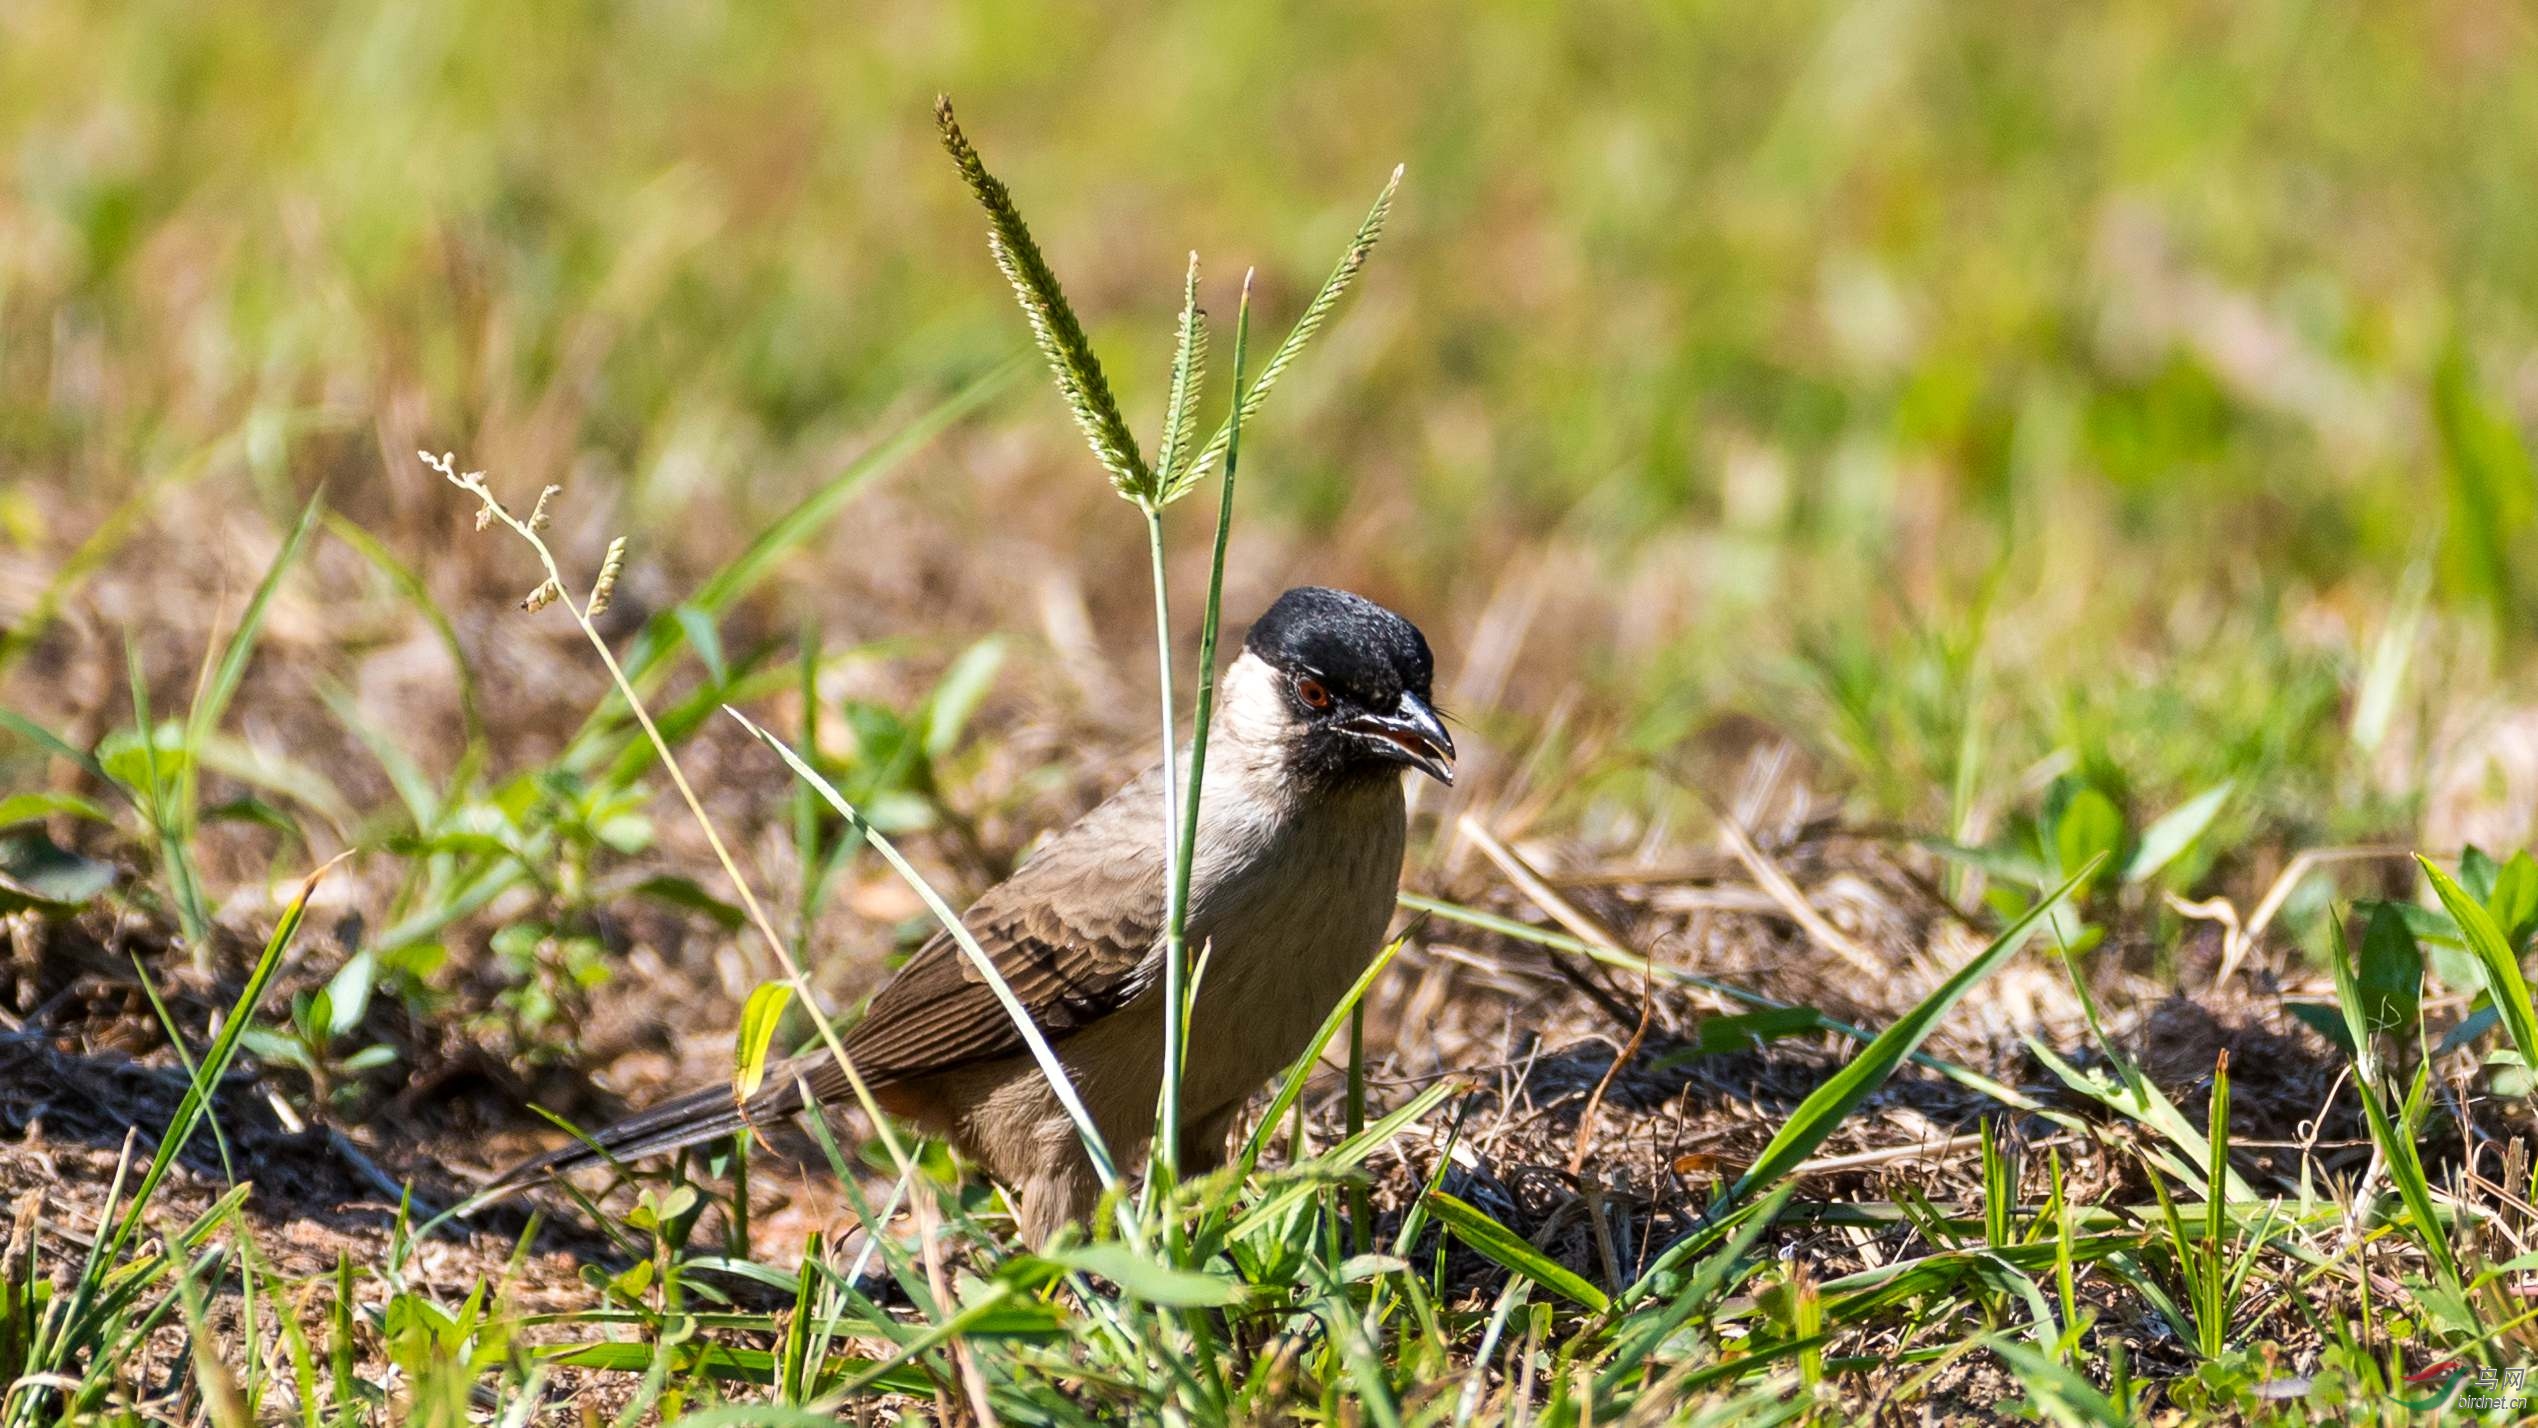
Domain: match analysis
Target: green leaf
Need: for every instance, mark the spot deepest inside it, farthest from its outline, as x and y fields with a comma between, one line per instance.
x=2472, y=1026
x=685, y=892
x=2086, y=827
x=1831, y=1103
x=2325, y=1020
x=55, y=745
x=2391, y=983
x=2514, y=899
x=2397, y=1146
x=758, y=1021
x=630, y=1283
x=705, y=639
x=1371, y=1266
x=2004, y=863
x=957, y=696
x=2494, y=960
x=1141, y=1278
x=2428, y=924
x=2478, y=871
x=277, y=1048
x=261, y=767
x=2173, y=833
x=369, y=1058
x=35, y=873
x=730, y=1364
x=250, y=809
x=1512, y=1252
x=1746, y=1031
x=2131, y=1094
x=348, y=991
x=29, y=807
x=2059, y=1393
x=1292, y=1085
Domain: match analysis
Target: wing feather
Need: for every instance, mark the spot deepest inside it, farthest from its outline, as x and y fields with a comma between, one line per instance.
x=1073, y=933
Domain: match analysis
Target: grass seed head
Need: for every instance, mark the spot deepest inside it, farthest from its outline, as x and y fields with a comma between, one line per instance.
x=1054, y=327
x=605, y=588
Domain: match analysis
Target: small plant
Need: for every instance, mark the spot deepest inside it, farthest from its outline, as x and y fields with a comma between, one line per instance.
x=314, y=1039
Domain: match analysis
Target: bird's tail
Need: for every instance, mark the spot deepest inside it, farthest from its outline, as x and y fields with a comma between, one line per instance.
x=673, y=1125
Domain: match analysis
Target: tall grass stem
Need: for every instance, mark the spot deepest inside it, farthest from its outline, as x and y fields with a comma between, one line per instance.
x=1176, y=937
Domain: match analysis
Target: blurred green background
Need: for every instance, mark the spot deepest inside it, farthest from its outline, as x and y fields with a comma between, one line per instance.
x=1972, y=391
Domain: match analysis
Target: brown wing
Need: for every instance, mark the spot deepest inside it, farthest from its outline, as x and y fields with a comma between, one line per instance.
x=1072, y=933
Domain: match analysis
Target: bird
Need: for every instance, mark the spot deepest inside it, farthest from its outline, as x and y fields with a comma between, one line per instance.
x=1302, y=825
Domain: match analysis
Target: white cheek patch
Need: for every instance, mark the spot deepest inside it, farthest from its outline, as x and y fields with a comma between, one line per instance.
x=1255, y=702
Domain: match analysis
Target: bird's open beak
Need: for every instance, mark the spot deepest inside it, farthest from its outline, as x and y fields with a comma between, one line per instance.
x=1410, y=734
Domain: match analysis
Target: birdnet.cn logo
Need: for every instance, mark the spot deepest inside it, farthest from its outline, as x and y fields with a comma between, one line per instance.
x=2477, y=1388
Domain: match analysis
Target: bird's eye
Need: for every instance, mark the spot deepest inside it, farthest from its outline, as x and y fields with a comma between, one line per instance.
x=1310, y=690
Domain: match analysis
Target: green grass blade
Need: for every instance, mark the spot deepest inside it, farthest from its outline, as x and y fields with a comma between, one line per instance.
x=224, y=1048
x=167, y=822
x=213, y=704
x=1510, y=1251
x=2398, y=1150
x=1144, y=1279
x=1182, y=826
x=2058, y=1392
x=1050, y=1067
x=409, y=583
x=1972, y=1080
x=59, y=747
x=2174, y=832
x=758, y=1021
x=1302, y=1071
x=1651, y=1325
x=184, y=1058
x=1832, y=1102
x=2214, y=1319
x=2494, y=960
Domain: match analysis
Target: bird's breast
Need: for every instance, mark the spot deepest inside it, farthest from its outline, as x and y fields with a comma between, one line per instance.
x=1287, y=907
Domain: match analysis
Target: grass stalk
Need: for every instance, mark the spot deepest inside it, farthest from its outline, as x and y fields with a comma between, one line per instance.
x=1360, y=1207
x=1050, y=1067
x=1166, y=1156
x=190, y=919
x=1176, y=939
x=556, y=590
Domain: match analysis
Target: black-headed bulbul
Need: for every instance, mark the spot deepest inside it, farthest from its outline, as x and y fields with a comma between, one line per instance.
x=1300, y=833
